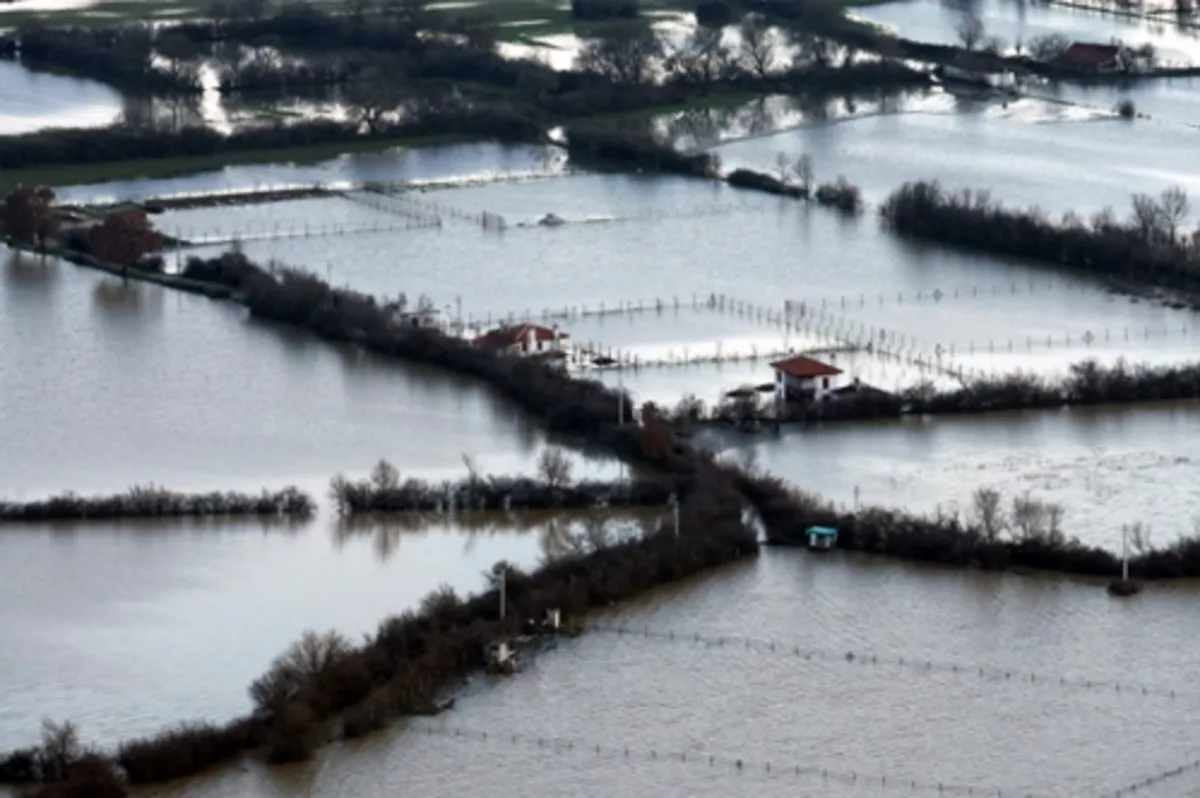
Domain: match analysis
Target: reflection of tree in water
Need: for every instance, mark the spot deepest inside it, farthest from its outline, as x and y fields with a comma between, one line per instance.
x=560, y=533
x=700, y=127
x=166, y=112
x=22, y=270
x=811, y=107
x=119, y=295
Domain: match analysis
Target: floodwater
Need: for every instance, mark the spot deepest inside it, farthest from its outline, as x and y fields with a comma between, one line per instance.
x=1105, y=466
x=109, y=385
x=1019, y=22
x=625, y=715
x=30, y=101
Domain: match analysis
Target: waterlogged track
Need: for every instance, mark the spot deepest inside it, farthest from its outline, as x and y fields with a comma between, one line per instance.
x=846, y=726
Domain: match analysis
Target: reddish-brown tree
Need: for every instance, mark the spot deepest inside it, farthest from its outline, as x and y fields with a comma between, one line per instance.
x=29, y=215
x=655, y=433
x=124, y=237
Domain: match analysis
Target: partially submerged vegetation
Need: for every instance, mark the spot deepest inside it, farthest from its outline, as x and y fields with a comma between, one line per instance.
x=384, y=491
x=1151, y=248
x=152, y=501
x=398, y=82
x=1029, y=535
x=324, y=687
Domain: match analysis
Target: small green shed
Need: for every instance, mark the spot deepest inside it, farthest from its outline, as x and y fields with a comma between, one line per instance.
x=821, y=538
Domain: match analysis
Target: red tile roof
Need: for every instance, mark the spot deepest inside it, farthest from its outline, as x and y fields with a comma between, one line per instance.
x=802, y=367
x=1080, y=54
x=517, y=334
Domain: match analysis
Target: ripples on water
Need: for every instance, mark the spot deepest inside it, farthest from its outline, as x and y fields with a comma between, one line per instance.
x=108, y=384
x=776, y=708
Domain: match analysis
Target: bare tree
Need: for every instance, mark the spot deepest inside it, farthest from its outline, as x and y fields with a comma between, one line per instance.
x=1029, y=518
x=756, y=49
x=624, y=52
x=988, y=512
x=376, y=97
x=1139, y=538
x=60, y=748
x=1173, y=205
x=970, y=31
x=803, y=169
x=1043, y=48
x=385, y=476
x=473, y=477
x=703, y=57
x=1147, y=217
x=1054, y=531
x=306, y=661
x=555, y=466
x=781, y=164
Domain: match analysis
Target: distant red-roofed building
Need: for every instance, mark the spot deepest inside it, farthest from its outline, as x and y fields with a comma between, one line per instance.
x=522, y=339
x=1090, y=58
x=802, y=378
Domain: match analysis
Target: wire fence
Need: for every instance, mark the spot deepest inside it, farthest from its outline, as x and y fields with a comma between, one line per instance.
x=1141, y=785
x=784, y=649
x=186, y=238
x=949, y=294
x=809, y=771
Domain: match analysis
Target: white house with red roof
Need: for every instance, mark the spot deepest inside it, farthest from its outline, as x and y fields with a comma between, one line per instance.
x=805, y=379
x=524, y=339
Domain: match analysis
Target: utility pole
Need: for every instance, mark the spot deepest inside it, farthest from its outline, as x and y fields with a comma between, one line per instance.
x=503, y=586
x=673, y=502
x=1125, y=552
x=620, y=398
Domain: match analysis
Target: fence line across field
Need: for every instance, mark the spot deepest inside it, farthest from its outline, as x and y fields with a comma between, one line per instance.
x=794, y=769
x=785, y=649
x=186, y=239
x=960, y=292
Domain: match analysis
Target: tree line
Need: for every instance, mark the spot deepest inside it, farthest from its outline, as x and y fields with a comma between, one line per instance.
x=396, y=83
x=323, y=683
x=1149, y=247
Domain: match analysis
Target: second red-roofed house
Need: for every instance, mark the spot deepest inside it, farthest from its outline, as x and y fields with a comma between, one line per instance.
x=522, y=339
x=805, y=379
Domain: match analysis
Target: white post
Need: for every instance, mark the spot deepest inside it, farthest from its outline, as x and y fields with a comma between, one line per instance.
x=503, y=585
x=1125, y=552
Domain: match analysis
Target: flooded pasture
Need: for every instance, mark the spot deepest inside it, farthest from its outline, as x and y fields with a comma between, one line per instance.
x=31, y=101
x=817, y=703
x=109, y=384
x=1018, y=22
x=1105, y=466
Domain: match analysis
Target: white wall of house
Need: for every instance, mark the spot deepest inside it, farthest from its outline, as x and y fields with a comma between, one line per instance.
x=818, y=387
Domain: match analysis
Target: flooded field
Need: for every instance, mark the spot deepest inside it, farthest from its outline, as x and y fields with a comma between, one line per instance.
x=659, y=709
x=110, y=384
x=1019, y=22
x=849, y=282
x=31, y=101
x=1105, y=466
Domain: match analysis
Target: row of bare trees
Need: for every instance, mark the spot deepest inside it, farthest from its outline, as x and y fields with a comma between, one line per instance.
x=632, y=53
